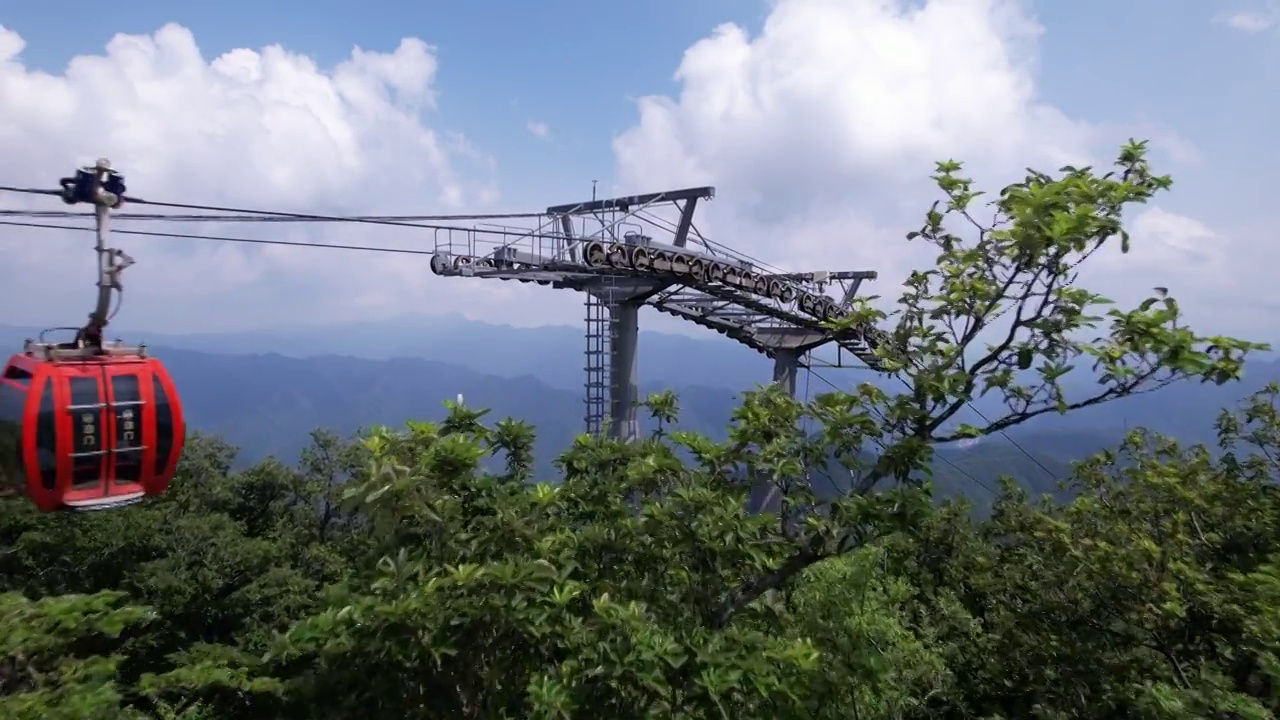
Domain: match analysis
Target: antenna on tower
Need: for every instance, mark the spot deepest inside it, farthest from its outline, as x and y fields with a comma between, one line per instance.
x=593, y=190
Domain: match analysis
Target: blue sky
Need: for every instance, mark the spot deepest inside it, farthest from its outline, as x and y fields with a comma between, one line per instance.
x=576, y=64
x=1173, y=70
x=1169, y=61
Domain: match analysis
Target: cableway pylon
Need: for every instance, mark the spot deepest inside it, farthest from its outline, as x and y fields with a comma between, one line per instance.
x=608, y=250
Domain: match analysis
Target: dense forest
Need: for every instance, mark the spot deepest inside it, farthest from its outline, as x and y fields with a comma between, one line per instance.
x=434, y=572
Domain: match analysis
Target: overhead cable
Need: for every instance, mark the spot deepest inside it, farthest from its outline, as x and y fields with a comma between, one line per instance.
x=173, y=217
x=312, y=217
x=235, y=214
x=504, y=232
x=945, y=460
x=221, y=238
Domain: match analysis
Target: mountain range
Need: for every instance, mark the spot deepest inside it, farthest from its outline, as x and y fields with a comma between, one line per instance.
x=263, y=391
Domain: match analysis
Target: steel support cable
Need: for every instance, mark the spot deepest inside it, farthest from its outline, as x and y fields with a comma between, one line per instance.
x=1014, y=443
x=947, y=461
x=283, y=214
x=1002, y=432
x=503, y=232
x=408, y=251
x=516, y=233
x=256, y=241
x=669, y=226
x=367, y=248
x=371, y=248
x=173, y=217
x=420, y=226
x=222, y=238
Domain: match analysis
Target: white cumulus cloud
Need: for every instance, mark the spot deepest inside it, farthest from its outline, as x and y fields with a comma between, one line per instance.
x=1251, y=21
x=540, y=130
x=256, y=128
x=820, y=132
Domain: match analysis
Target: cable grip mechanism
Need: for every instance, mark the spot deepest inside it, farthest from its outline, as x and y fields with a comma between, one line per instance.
x=104, y=188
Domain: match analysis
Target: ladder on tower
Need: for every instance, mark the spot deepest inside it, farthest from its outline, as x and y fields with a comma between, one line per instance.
x=597, y=363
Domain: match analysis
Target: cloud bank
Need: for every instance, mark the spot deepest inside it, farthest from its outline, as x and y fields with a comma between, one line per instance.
x=819, y=131
x=261, y=128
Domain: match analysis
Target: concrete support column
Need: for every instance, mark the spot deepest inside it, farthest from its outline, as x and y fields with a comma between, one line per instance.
x=624, y=327
x=786, y=366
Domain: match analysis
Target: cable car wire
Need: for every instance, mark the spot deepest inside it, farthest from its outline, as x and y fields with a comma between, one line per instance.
x=252, y=215
x=283, y=214
x=172, y=217
x=1004, y=433
x=515, y=233
x=236, y=214
x=1014, y=443
x=945, y=460
x=222, y=238
x=410, y=251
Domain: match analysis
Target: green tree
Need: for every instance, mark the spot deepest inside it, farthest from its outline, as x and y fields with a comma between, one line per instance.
x=496, y=598
x=223, y=562
x=1001, y=312
x=56, y=658
x=875, y=663
x=639, y=586
x=1154, y=593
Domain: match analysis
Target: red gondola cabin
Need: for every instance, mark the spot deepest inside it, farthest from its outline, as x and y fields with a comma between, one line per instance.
x=88, y=433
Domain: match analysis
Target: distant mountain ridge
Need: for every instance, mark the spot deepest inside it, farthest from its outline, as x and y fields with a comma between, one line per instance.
x=552, y=353
x=267, y=405
x=240, y=386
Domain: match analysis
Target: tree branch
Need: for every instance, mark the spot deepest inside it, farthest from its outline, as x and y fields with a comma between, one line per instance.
x=994, y=354
x=812, y=552
x=1018, y=418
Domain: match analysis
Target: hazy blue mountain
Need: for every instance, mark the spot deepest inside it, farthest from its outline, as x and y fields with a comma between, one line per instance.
x=267, y=404
x=553, y=354
x=1186, y=410
x=265, y=390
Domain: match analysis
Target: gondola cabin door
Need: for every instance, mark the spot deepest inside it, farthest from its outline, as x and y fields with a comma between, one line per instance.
x=92, y=420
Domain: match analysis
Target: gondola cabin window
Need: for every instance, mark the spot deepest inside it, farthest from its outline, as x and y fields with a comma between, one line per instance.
x=170, y=432
x=126, y=405
x=87, y=453
x=12, y=475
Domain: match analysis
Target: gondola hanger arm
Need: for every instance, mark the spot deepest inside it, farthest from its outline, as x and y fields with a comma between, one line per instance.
x=103, y=188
